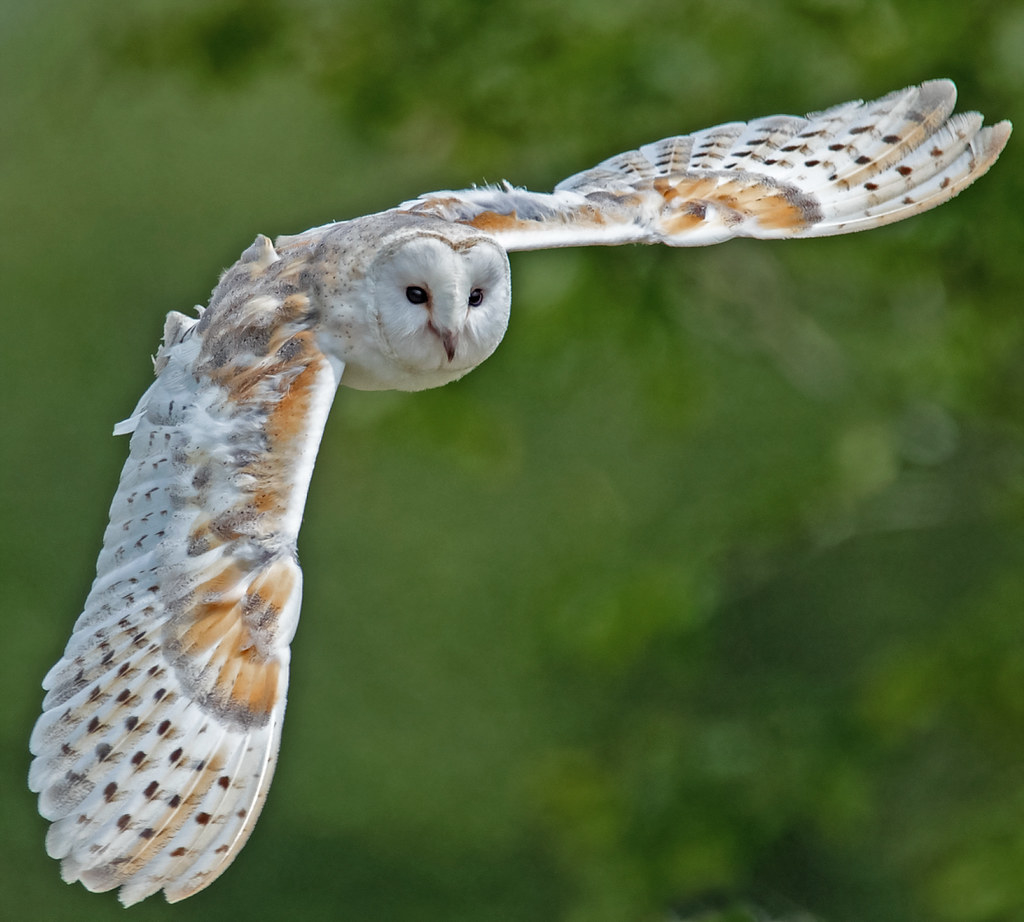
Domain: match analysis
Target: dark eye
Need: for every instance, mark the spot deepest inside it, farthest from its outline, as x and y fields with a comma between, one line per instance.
x=476, y=297
x=417, y=295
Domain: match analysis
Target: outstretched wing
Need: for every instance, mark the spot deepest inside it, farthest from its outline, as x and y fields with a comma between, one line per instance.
x=852, y=167
x=162, y=720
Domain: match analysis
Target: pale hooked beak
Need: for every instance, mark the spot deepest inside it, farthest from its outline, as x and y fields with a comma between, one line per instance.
x=449, y=339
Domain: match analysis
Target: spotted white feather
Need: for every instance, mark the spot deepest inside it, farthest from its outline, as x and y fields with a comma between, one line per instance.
x=852, y=167
x=162, y=720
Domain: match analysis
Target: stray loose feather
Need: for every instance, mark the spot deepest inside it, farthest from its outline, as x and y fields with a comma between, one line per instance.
x=162, y=720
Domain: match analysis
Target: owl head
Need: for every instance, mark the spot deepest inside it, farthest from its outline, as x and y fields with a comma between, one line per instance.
x=432, y=304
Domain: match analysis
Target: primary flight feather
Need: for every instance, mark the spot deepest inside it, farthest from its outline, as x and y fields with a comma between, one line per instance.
x=162, y=720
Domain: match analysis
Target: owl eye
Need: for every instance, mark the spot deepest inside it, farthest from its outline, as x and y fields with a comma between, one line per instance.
x=416, y=295
x=476, y=297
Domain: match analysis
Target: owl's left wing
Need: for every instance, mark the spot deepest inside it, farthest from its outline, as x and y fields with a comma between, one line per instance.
x=852, y=167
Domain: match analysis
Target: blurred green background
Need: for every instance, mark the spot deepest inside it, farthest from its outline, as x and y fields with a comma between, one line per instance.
x=706, y=591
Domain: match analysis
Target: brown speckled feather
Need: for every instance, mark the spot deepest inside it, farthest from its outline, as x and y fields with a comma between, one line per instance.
x=852, y=167
x=162, y=719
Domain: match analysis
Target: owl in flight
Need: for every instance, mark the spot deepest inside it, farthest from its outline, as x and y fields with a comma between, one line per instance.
x=161, y=721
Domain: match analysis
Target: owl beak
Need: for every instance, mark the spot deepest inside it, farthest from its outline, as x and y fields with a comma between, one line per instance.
x=449, y=339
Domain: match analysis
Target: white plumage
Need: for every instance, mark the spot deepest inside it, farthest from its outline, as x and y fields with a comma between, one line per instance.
x=162, y=720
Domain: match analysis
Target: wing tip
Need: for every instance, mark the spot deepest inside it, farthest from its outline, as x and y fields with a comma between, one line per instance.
x=937, y=91
x=988, y=143
x=998, y=136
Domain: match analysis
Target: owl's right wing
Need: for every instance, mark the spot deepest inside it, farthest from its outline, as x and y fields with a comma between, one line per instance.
x=162, y=719
x=852, y=167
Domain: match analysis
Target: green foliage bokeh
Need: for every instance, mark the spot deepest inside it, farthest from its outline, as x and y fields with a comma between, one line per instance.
x=705, y=592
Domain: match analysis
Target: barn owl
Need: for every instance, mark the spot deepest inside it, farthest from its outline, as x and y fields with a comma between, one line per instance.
x=162, y=719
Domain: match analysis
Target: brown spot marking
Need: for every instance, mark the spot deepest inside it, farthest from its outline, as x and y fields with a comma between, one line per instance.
x=201, y=478
x=286, y=431
x=871, y=186
x=294, y=307
x=494, y=223
x=248, y=681
x=123, y=820
x=221, y=849
x=256, y=382
x=215, y=617
x=256, y=689
x=123, y=696
x=179, y=811
x=151, y=789
x=130, y=723
x=103, y=750
x=94, y=725
x=773, y=207
x=236, y=618
x=689, y=217
x=224, y=781
x=163, y=727
x=686, y=190
x=203, y=818
x=199, y=541
x=179, y=852
x=138, y=758
x=904, y=170
x=231, y=524
x=109, y=791
x=234, y=613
